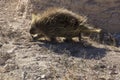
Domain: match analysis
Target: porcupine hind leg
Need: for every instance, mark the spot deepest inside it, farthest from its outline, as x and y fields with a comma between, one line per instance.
x=68, y=39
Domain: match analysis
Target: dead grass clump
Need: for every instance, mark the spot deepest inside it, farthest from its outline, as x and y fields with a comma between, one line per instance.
x=3, y=57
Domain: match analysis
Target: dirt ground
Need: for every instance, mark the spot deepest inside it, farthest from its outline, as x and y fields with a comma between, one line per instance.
x=22, y=59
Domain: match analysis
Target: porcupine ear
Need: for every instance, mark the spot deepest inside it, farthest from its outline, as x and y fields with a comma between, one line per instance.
x=34, y=17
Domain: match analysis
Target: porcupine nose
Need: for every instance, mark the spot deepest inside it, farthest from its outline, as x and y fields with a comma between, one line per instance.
x=33, y=33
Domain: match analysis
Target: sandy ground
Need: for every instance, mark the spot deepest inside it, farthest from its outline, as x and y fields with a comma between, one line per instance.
x=21, y=59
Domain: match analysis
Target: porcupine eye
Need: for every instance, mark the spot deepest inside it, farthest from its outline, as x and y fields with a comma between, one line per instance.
x=36, y=25
x=33, y=29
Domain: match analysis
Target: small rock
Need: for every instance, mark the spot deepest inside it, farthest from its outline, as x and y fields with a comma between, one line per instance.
x=11, y=50
x=10, y=67
x=24, y=75
x=1, y=44
x=111, y=79
x=114, y=72
x=101, y=79
x=2, y=69
x=102, y=66
x=4, y=56
x=42, y=76
x=2, y=61
x=38, y=78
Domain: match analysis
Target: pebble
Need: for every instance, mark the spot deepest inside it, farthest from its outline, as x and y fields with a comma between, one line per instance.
x=42, y=76
x=2, y=61
x=1, y=44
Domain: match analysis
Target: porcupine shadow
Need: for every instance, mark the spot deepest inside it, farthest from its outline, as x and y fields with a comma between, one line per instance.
x=75, y=50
